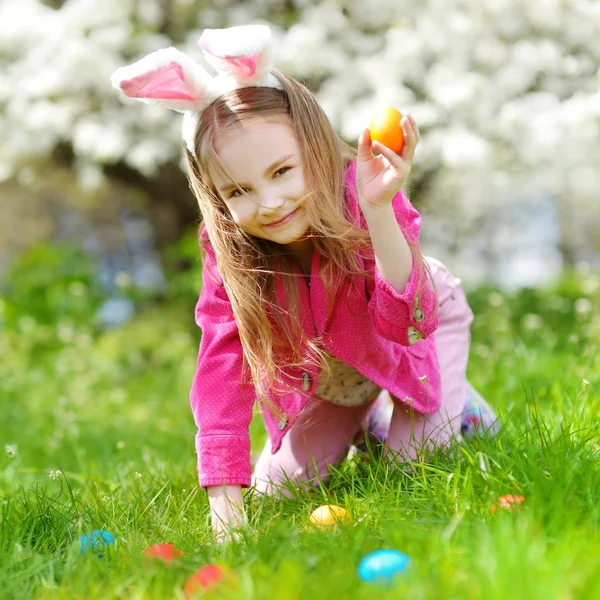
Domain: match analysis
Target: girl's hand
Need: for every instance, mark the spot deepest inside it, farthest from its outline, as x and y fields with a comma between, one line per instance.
x=226, y=511
x=378, y=178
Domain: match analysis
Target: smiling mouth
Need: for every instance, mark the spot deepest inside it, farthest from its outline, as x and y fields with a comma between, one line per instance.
x=284, y=220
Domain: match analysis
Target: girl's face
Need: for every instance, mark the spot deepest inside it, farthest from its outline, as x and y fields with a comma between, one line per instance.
x=265, y=197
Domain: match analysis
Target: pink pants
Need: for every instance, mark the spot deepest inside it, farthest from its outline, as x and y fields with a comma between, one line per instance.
x=325, y=432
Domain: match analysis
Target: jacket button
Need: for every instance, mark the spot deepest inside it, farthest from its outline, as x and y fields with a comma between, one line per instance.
x=414, y=335
x=419, y=314
x=281, y=424
x=305, y=382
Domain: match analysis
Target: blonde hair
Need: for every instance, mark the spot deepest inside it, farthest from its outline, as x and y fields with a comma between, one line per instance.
x=271, y=335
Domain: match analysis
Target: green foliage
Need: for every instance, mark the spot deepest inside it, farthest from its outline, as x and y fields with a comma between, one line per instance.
x=97, y=433
x=47, y=285
x=184, y=262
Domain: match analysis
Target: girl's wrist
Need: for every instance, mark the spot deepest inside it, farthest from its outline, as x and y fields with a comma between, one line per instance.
x=376, y=213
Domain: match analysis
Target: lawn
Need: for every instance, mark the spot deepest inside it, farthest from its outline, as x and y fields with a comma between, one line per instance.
x=96, y=433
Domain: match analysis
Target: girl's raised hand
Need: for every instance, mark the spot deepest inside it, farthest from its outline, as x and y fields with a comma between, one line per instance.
x=378, y=178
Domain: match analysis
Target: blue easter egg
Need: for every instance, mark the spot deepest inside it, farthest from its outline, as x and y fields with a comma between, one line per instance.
x=382, y=566
x=98, y=541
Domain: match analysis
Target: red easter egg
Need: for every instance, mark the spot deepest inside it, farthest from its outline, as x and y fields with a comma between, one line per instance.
x=165, y=552
x=207, y=579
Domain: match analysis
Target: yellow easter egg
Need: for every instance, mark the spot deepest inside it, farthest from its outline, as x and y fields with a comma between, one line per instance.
x=328, y=516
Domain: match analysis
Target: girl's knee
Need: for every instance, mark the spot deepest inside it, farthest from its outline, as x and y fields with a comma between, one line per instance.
x=452, y=300
x=278, y=486
x=412, y=434
x=283, y=476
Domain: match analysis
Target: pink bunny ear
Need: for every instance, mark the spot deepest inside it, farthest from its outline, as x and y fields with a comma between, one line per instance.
x=168, y=77
x=244, y=53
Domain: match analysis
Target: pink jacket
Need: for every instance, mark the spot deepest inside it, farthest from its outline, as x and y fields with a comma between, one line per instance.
x=377, y=331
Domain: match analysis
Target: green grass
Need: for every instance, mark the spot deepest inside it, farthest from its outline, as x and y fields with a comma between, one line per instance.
x=110, y=411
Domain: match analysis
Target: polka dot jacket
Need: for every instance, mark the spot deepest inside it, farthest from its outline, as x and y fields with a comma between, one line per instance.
x=385, y=336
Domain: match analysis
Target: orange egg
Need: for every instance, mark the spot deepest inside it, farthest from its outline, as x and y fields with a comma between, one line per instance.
x=507, y=502
x=328, y=516
x=385, y=128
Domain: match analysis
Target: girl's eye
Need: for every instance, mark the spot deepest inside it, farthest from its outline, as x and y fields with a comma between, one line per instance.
x=237, y=192
x=282, y=170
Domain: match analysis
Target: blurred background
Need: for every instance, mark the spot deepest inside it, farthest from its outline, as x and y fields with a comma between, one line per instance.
x=99, y=260
x=96, y=217
x=506, y=95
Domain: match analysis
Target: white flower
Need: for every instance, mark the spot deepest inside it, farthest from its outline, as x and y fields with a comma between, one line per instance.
x=11, y=450
x=493, y=86
x=463, y=148
x=55, y=474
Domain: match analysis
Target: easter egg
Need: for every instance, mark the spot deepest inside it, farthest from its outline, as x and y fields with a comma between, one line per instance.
x=382, y=566
x=385, y=128
x=98, y=541
x=328, y=516
x=507, y=502
x=165, y=552
x=210, y=578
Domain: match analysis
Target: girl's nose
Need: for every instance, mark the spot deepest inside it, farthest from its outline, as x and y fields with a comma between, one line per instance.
x=270, y=203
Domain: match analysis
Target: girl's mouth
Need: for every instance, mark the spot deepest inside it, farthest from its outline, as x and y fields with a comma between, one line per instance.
x=284, y=220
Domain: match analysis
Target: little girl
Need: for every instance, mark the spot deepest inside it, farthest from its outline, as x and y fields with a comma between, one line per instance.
x=316, y=298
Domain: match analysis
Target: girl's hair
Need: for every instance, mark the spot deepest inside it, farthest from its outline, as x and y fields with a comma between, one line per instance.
x=271, y=334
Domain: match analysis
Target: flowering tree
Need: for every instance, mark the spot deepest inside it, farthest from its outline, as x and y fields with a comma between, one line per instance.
x=505, y=93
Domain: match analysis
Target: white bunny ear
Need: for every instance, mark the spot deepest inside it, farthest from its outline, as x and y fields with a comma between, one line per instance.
x=244, y=53
x=168, y=77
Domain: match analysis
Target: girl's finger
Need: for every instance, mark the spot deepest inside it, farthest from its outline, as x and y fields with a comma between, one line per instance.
x=394, y=159
x=411, y=126
x=411, y=138
x=415, y=127
x=408, y=152
x=365, y=147
x=409, y=134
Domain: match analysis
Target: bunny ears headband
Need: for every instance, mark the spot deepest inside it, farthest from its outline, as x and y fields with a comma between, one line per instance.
x=242, y=57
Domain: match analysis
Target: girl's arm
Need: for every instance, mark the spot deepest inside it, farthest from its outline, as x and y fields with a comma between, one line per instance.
x=226, y=510
x=392, y=253
x=402, y=299
x=222, y=401
x=378, y=180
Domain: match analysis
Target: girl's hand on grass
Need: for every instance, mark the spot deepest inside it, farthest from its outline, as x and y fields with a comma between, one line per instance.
x=378, y=178
x=226, y=511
